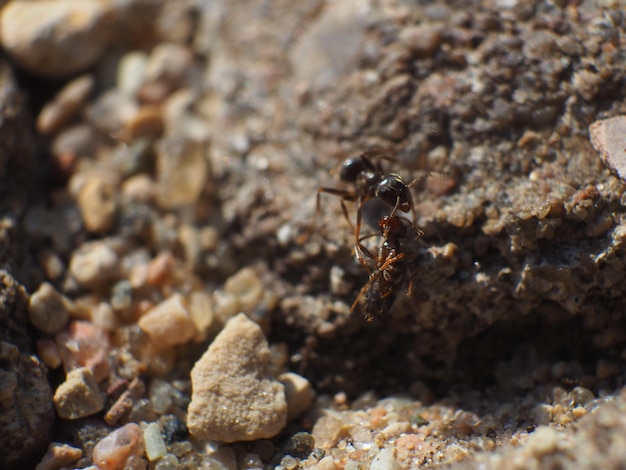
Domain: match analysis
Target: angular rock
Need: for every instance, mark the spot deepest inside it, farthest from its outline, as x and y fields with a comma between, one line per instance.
x=233, y=396
x=79, y=395
x=168, y=323
x=298, y=393
x=59, y=456
x=608, y=137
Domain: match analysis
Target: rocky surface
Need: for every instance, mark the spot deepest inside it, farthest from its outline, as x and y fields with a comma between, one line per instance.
x=179, y=162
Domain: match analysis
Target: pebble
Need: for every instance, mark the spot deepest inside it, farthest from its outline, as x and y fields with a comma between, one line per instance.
x=114, y=451
x=385, y=460
x=98, y=205
x=94, y=264
x=49, y=353
x=51, y=263
x=608, y=138
x=246, y=286
x=125, y=402
x=233, y=398
x=139, y=188
x=55, y=38
x=182, y=172
x=84, y=345
x=130, y=71
x=65, y=106
x=327, y=463
x=201, y=313
x=298, y=392
x=79, y=395
x=48, y=309
x=155, y=447
x=542, y=442
x=58, y=456
x=168, y=323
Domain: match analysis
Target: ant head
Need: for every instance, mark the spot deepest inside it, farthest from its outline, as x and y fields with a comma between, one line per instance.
x=392, y=226
x=393, y=191
x=351, y=169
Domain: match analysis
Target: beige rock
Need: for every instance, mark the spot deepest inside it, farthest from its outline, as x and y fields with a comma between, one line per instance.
x=48, y=309
x=66, y=105
x=55, y=38
x=168, y=323
x=608, y=137
x=58, y=456
x=298, y=392
x=233, y=397
x=98, y=205
x=94, y=264
x=79, y=395
x=246, y=286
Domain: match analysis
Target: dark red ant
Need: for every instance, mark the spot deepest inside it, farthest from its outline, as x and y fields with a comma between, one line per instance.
x=367, y=175
x=395, y=258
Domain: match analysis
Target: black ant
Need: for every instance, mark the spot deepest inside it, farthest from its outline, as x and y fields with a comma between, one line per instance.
x=367, y=175
x=396, y=258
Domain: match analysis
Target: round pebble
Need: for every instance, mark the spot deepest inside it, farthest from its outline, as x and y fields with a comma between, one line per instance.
x=48, y=309
x=113, y=452
x=55, y=38
x=65, y=106
x=98, y=204
x=94, y=264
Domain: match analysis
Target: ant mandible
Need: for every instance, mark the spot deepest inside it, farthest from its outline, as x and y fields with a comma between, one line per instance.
x=395, y=258
x=368, y=177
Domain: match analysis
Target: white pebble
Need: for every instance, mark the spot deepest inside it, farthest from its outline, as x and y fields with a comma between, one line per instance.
x=385, y=461
x=155, y=447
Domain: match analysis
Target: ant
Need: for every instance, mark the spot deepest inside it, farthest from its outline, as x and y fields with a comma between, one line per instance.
x=367, y=175
x=395, y=258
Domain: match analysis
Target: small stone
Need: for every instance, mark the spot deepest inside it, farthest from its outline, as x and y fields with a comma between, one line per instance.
x=542, y=442
x=125, y=402
x=182, y=172
x=79, y=395
x=103, y=317
x=97, y=202
x=58, y=456
x=233, y=398
x=114, y=451
x=155, y=447
x=111, y=111
x=246, y=286
x=49, y=353
x=168, y=323
x=51, y=264
x=385, y=460
x=55, y=38
x=422, y=40
x=169, y=462
x=327, y=463
x=94, y=264
x=147, y=122
x=298, y=393
x=48, y=309
x=139, y=188
x=84, y=345
x=608, y=138
x=131, y=70
x=65, y=106
x=201, y=314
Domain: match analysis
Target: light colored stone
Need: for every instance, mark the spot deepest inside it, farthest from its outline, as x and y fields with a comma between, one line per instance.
x=201, y=313
x=55, y=38
x=155, y=447
x=94, y=264
x=97, y=203
x=114, y=451
x=58, y=456
x=168, y=323
x=608, y=137
x=48, y=309
x=233, y=397
x=83, y=344
x=182, y=172
x=65, y=105
x=385, y=460
x=246, y=286
x=298, y=392
x=79, y=395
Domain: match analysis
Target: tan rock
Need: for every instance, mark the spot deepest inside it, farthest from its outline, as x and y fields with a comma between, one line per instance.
x=168, y=323
x=98, y=205
x=48, y=309
x=608, y=138
x=58, y=456
x=233, y=396
x=298, y=392
x=79, y=395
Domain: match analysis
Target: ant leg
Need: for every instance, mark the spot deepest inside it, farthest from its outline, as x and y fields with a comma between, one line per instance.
x=357, y=233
